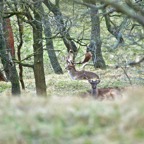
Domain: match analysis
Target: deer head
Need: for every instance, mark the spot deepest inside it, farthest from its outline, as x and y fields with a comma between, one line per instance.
x=94, y=90
x=94, y=83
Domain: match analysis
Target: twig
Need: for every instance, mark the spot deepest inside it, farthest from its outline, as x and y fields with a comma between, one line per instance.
x=126, y=75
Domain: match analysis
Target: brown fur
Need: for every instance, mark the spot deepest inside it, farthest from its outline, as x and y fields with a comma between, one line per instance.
x=80, y=75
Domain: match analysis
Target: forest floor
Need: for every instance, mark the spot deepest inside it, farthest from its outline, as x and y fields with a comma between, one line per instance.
x=66, y=116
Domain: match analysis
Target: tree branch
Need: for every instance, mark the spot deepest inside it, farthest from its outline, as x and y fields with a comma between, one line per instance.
x=125, y=9
x=23, y=64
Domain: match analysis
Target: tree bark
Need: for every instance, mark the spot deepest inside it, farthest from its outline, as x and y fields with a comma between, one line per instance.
x=4, y=57
x=95, y=44
x=50, y=47
x=19, y=47
x=38, y=51
x=13, y=75
x=6, y=45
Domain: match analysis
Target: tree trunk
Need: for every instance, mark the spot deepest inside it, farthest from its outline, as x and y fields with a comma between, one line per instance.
x=8, y=43
x=13, y=75
x=15, y=81
x=60, y=25
x=4, y=57
x=38, y=51
x=95, y=44
x=50, y=48
x=19, y=47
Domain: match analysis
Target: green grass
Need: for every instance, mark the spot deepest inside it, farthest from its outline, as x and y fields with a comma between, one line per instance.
x=65, y=117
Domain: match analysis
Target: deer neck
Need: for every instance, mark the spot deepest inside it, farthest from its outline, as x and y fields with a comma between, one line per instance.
x=73, y=73
x=94, y=92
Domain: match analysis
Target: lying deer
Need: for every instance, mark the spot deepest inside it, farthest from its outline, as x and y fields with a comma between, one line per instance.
x=80, y=75
x=104, y=93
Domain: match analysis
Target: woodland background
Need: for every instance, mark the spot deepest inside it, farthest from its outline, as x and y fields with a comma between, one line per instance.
x=35, y=38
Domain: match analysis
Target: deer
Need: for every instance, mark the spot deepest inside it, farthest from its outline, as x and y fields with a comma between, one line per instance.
x=92, y=77
x=103, y=93
x=94, y=90
x=79, y=75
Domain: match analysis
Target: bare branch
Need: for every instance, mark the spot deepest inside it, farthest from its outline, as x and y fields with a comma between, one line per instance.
x=124, y=8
